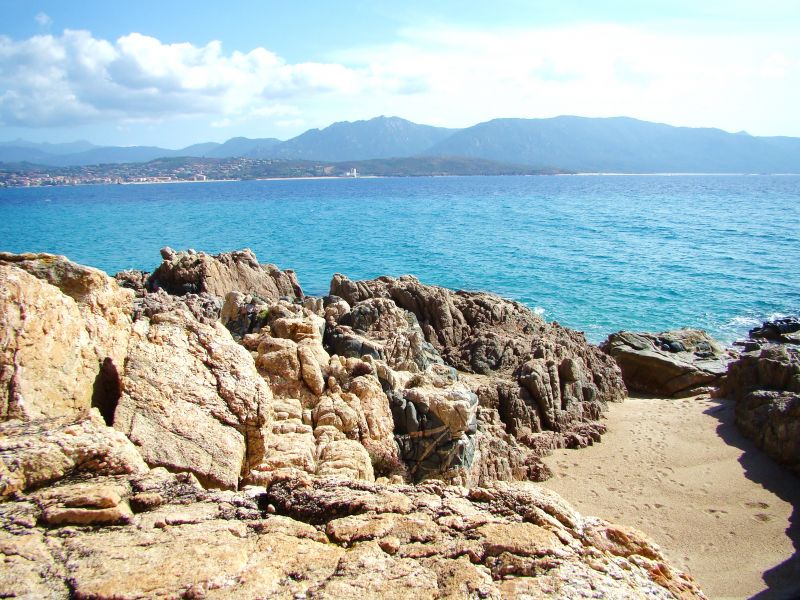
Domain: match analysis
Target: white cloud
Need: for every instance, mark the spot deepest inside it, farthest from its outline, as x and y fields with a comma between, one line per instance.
x=439, y=75
x=729, y=80
x=43, y=19
x=76, y=78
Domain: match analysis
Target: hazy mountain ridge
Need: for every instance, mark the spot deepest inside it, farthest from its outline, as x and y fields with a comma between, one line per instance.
x=582, y=144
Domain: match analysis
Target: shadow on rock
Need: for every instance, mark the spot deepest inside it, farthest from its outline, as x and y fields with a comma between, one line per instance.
x=783, y=580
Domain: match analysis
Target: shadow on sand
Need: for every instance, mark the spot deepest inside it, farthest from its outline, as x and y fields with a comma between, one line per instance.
x=783, y=580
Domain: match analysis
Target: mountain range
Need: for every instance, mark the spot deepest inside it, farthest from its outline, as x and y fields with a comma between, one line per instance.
x=580, y=144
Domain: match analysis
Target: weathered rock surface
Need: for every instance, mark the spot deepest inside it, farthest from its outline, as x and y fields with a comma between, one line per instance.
x=540, y=383
x=193, y=272
x=64, y=332
x=43, y=451
x=322, y=539
x=676, y=363
x=379, y=328
x=332, y=415
x=192, y=399
x=480, y=332
x=766, y=387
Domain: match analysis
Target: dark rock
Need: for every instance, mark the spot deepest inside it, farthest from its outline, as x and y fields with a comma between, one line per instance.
x=541, y=377
x=766, y=387
x=674, y=363
x=780, y=330
x=133, y=280
x=379, y=328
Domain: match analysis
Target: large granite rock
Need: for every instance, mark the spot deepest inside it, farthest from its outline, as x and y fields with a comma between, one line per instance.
x=323, y=539
x=536, y=378
x=676, y=363
x=192, y=399
x=193, y=272
x=332, y=415
x=766, y=387
x=43, y=451
x=64, y=331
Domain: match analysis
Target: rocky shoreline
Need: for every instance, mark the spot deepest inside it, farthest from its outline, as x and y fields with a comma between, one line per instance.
x=380, y=440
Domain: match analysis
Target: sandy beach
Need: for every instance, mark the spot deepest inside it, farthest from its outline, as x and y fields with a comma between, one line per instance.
x=680, y=471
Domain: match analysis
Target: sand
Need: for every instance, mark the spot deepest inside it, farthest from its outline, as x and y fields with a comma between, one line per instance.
x=680, y=471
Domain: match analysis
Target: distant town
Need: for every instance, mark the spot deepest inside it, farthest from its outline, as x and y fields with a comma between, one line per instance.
x=166, y=171
x=188, y=169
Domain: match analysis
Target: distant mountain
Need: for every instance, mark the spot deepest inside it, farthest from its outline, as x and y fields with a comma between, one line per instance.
x=198, y=150
x=381, y=137
x=242, y=146
x=621, y=145
x=47, y=148
x=578, y=144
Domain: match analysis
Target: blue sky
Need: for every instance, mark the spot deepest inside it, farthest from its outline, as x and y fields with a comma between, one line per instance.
x=172, y=73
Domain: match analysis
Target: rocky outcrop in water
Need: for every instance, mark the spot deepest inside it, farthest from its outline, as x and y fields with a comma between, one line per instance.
x=678, y=363
x=766, y=386
x=785, y=330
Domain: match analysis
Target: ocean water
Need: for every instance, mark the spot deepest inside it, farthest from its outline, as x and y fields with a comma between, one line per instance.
x=596, y=253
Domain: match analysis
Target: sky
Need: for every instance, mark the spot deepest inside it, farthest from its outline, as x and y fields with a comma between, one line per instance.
x=172, y=73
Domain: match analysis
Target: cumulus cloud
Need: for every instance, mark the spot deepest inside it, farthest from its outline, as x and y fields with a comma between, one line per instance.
x=76, y=78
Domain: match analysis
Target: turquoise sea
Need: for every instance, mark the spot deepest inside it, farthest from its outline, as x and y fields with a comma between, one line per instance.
x=596, y=253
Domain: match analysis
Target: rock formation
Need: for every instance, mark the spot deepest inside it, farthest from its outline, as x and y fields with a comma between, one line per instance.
x=785, y=331
x=765, y=384
x=159, y=534
x=124, y=413
x=191, y=398
x=539, y=382
x=679, y=363
x=65, y=331
x=193, y=272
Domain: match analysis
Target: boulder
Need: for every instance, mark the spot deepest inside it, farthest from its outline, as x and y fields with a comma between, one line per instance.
x=436, y=430
x=43, y=451
x=192, y=399
x=193, y=272
x=64, y=332
x=785, y=330
x=766, y=387
x=676, y=363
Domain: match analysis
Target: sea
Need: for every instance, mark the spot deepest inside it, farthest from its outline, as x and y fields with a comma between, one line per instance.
x=598, y=253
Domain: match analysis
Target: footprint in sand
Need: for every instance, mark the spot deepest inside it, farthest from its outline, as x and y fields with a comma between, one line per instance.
x=755, y=505
x=717, y=512
x=763, y=517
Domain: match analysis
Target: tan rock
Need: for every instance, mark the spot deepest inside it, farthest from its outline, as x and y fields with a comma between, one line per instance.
x=192, y=399
x=368, y=572
x=197, y=272
x=65, y=331
x=60, y=516
x=44, y=451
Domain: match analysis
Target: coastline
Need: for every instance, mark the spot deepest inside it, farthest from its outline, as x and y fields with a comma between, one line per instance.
x=329, y=177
